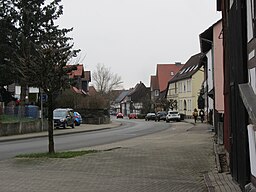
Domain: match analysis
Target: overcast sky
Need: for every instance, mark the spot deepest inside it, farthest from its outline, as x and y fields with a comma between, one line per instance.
x=132, y=36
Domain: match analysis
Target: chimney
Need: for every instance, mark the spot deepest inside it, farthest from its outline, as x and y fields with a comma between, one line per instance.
x=177, y=63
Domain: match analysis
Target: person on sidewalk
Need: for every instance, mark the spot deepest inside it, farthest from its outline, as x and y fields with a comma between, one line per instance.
x=201, y=114
x=195, y=114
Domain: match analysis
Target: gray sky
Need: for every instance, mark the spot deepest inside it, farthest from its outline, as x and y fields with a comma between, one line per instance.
x=132, y=36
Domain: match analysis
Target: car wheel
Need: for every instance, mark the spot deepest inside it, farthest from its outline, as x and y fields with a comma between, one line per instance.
x=77, y=124
x=167, y=121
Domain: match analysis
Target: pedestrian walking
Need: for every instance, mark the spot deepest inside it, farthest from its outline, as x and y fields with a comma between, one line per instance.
x=201, y=114
x=195, y=114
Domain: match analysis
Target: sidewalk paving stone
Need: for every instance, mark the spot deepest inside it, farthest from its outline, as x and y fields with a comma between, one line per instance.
x=222, y=182
x=176, y=159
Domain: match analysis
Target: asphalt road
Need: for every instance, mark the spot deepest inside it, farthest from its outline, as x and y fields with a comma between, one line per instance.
x=129, y=129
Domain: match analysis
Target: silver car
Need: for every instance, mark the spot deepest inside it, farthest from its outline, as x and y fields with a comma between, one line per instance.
x=172, y=116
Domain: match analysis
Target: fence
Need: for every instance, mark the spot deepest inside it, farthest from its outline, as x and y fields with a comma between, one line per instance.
x=19, y=112
x=17, y=120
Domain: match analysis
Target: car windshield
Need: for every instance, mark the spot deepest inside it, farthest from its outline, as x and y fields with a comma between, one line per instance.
x=173, y=112
x=59, y=113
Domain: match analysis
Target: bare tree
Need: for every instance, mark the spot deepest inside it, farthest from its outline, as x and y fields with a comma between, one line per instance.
x=105, y=81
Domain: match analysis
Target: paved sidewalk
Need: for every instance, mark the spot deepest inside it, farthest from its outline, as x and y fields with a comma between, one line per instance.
x=220, y=182
x=178, y=159
x=77, y=129
x=215, y=181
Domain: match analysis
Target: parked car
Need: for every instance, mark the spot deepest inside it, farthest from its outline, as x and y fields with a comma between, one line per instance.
x=119, y=115
x=63, y=117
x=78, y=118
x=150, y=116
x=132, y=116
x=172, y=116
x=161, y=115
x=112, y=113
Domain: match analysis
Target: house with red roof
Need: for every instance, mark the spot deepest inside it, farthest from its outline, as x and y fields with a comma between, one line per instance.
x=159, y=83
x=184, y=87
x=79, y=84
x=80, y=80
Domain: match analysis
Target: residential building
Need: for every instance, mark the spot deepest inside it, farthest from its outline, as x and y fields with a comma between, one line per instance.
x=184, y=87
x=117, y=105
x=238, y=22
x=135, y=100
x=80, y=84
x=159, y=82
x=212, y=46
x=80, y=80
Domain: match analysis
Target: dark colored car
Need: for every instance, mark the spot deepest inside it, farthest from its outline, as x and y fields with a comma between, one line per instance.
x=161, y=115
x=150, y=116
x=63, y=118
x=132, y=116
x=78, y=118
x=112, y=112
x=119, y=115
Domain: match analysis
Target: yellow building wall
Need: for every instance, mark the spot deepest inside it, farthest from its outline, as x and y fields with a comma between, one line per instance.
x=187, y=92
x=197, y=81
x=185, y=96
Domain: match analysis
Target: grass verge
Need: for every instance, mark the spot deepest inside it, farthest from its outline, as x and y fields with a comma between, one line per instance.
x=65, y=154
x=14, y=119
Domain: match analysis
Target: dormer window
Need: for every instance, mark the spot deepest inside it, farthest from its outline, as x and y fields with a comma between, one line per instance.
x=172, y=73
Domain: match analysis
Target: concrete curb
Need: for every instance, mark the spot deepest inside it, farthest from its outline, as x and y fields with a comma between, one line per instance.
x=45, y=134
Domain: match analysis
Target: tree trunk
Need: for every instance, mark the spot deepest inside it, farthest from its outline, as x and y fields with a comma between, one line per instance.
x=23, y=90
x=50, y=123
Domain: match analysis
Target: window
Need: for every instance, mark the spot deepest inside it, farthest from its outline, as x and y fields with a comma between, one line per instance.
x=180, y=105
x=172, y=73
x=185, y=105
x=251, y=19
x=191, y=68
x=180, y=87
x=156, y=93
x=182, y=71
x=184, y=87
x=231, y=2
x=189, y=105
x=252, y=78
x=189, y=85
x=187, y=69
